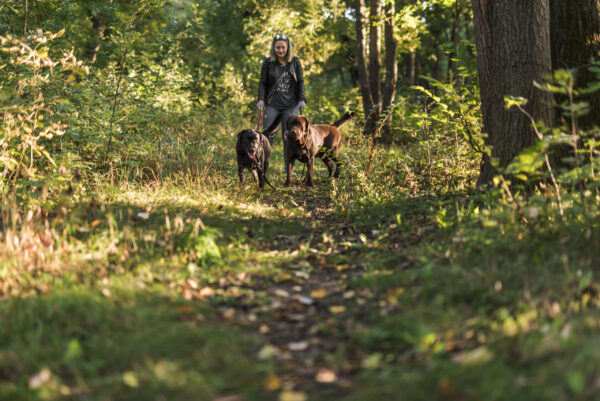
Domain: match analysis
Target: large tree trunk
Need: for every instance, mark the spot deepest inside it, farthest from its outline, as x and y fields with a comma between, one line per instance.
x=363, y=75
x=575, y=34
x=513, y=50
x=391, y=63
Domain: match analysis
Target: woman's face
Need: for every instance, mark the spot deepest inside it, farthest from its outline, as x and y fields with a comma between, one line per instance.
x=281, y=48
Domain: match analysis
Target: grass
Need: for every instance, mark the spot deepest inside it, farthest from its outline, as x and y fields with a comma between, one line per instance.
x=365, y=288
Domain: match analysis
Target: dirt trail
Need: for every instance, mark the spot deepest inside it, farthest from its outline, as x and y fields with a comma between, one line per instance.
x=310, y=316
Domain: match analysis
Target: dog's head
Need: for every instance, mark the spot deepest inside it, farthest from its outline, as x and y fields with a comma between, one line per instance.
x=249, y=142
x=298, y=130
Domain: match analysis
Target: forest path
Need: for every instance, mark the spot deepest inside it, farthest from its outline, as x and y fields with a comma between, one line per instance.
x=314, y=312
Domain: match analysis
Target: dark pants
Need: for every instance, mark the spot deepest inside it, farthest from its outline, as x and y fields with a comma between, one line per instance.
x=271, y=114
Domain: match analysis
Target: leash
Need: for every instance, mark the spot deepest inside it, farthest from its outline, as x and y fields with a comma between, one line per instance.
x=259, y=118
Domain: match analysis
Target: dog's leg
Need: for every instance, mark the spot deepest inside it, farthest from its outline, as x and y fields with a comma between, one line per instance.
x=338, y=167
x=309, y=171
x=290, y=171
x=241, y=174
x=255, y=175
x=329, y=163
x=261, y=179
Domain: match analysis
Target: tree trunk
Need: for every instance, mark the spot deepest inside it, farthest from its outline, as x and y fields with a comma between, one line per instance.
x=412, y=68
x=100, y=27
x=575, y=34
x=513, y=50
x=25, y=18
x=391, y=64
x=363, y=75
x=374, y=53
x=454, y=37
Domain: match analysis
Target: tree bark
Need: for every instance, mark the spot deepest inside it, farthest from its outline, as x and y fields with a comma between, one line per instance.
x=374, y=53
x=26, y=16
x=391, y=63
x=100, y=27
x=513, y=50
x=575, y=38
x=411, y=62
x=363, y=75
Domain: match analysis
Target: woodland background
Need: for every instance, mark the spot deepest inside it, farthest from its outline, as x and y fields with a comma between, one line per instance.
x=455, y=259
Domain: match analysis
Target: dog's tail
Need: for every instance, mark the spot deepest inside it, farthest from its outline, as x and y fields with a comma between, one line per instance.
x=345, y=118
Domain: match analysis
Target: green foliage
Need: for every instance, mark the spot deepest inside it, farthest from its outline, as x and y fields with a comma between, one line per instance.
x=577, y=169
x=444, y=132
x=134, y=266
x=30, y=124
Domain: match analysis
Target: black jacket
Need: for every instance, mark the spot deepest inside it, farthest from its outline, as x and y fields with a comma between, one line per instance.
x=270, y=74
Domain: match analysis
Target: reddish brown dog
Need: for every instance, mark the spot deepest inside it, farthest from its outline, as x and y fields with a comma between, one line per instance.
x=306, y=141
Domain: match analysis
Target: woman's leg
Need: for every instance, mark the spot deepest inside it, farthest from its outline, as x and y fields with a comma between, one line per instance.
x=286, y=114
x=271, y=114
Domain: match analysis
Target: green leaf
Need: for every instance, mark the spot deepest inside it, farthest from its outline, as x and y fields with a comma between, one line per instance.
x=528, y=161
x=511, y=101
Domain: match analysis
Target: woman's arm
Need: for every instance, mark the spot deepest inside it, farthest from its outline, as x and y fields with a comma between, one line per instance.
x=300, y=82
x=264, y=77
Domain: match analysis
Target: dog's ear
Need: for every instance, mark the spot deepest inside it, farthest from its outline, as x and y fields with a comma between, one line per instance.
x=305, y=123
x=240, y=136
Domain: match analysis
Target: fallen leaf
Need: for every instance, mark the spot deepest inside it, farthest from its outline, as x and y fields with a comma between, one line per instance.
x=337, y=309
x=475, y=357
x=206, y=292
x=46, y=240
x=342, y=267
x=272, y=382
x=394, y=294
x=284, y=276
x=298, y=346
x=268, y=351
x=281, y=293
x=292, y=396
x=306, y=300
x=143, y=215
x=130, y=379
x=372, y=361
x=302, y=275
x=40, y=378
x=326, y=376
x=229, y=313
x=320, y=293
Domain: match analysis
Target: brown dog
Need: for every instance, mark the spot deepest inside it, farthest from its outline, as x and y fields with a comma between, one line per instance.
x=306, y=141
x=253, y=152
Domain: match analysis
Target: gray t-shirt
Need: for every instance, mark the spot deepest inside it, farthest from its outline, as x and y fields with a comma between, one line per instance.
x=284, y=92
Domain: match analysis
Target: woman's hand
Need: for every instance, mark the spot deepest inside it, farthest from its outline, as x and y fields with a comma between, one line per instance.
x=301, y=106
x=260, y=105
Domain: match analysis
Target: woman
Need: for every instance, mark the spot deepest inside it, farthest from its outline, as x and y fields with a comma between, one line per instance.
x=281, y=86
